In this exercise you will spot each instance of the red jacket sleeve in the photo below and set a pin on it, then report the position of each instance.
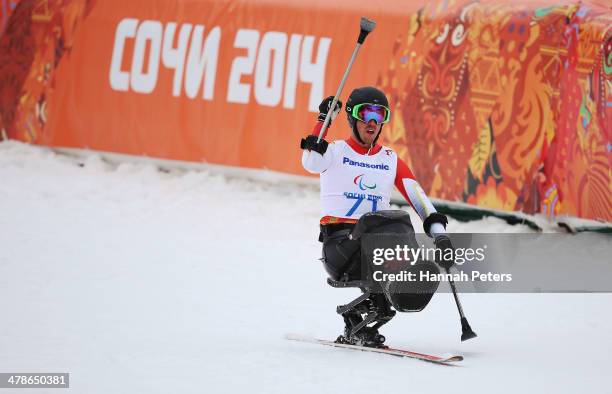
(317, 129)
(403, 172)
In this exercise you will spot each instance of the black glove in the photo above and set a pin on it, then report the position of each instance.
(310, 143)
(443, 243)
(324, 109)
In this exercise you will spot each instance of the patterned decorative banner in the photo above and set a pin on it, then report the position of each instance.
(499, 104)
(507, 106)
(6, 8)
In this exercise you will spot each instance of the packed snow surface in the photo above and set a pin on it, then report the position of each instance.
(136, 280)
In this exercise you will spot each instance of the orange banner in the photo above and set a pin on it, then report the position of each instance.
(500, 105)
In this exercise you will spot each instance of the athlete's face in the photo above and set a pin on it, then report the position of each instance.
(368, 131)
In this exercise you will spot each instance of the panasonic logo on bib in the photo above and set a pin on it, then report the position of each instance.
(350, 162)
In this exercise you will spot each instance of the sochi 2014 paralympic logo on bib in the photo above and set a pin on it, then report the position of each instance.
(362, 185)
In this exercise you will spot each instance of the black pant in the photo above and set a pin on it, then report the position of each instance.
(340, 254)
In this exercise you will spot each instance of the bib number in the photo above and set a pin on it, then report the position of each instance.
(360, 198)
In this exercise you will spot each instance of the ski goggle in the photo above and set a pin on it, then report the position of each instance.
(366, 112)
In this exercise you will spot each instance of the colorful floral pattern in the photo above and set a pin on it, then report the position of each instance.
(507, 105)
(36, 37)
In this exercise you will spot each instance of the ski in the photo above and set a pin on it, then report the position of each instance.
(388, 350)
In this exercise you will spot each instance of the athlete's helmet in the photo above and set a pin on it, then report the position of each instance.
(361, 96)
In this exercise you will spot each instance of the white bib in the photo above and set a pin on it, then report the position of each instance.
(355, 184)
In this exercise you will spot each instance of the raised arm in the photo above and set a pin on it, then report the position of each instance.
(316, 158)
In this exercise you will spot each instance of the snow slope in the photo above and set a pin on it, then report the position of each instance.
(136, 280)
